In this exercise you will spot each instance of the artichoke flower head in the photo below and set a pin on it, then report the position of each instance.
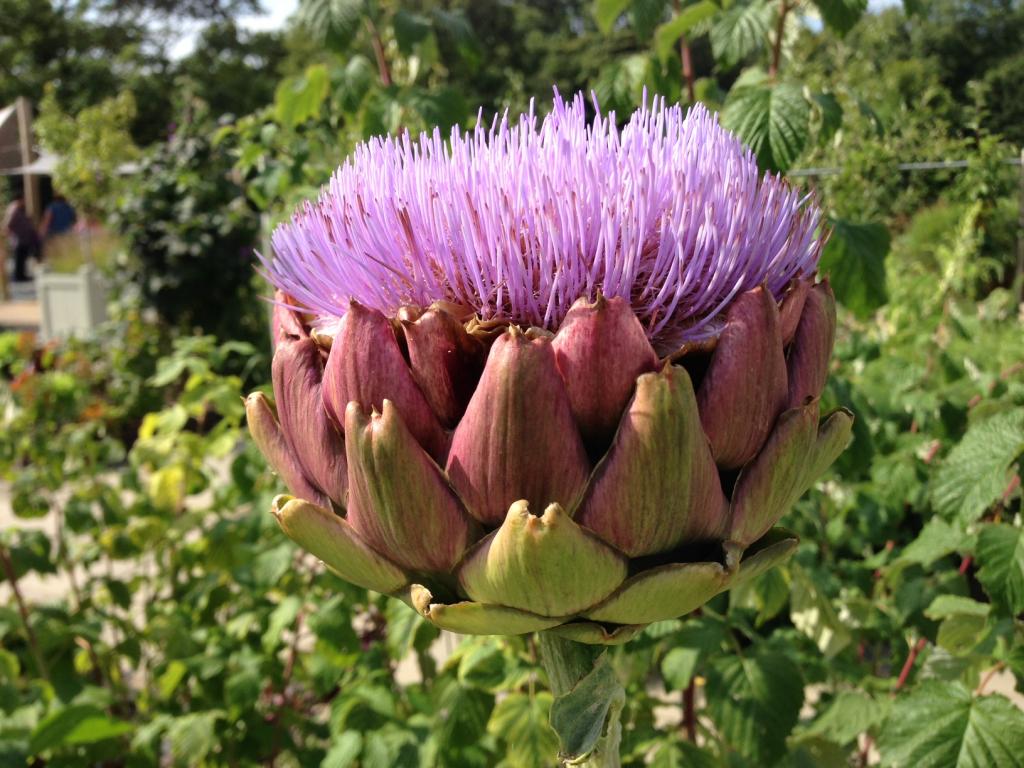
(550, 374)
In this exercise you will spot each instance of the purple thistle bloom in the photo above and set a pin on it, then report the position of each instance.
(518, 220)
(506, 481)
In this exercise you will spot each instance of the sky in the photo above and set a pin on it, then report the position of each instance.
(276, 12)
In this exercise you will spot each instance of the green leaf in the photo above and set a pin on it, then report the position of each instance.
(974, 475)
(483, 667)
(848, 715)
(607, 12)
(521, 721)
(298, 99)
(282, 617)
(192, 736)
(462, 714)
(409, 29)
(854, 260)
(76, 724)
(937, 539)
(941, 725)
(741, 30)
(579, 716)
(755, 701)
(830, 112)
(666, 35)
(1000, 557)
(961, 633)
(678, 667)
(171, 678)
(944, 606)
(645, 15)
(344, 751)
(772, 118)
(334, 22)
(841, 15)
(682, 754)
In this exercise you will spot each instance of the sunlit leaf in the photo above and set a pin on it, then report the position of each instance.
(772, 118)
(666, 35)
(941, 725)
(975, 473)
(1000, 556)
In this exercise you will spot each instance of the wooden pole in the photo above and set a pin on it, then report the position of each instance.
(23, 108)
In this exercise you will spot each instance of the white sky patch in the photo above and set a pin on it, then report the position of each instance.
(275, 15)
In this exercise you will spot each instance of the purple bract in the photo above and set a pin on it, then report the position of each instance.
(520, 219)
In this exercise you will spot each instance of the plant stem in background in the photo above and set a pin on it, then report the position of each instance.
(687, 61)
(33, 641)
(588, 702)
(780, 29)
(909, 664)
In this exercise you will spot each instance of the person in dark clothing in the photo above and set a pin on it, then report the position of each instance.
(23, 237)
(58, 218)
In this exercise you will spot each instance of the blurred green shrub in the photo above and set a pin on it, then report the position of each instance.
(190, 235)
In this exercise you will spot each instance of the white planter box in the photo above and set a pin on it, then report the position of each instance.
(71, 304)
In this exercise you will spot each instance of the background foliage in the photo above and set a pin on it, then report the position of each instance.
(164, 620)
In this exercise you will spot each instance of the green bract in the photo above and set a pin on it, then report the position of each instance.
(496, 481)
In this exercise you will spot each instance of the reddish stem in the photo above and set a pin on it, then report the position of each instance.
(33, 641)
(690, 712)
(687, 59)
(909, 664)
(780, 28)
(378, 52)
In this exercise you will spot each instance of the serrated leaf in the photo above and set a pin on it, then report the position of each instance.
(854, 260)
(755, 701)
(974, 475)
(607, 12)
(76, 724)
(941, 725)
(334, 22)
(1000, 557)
(772, 118)
(741, 30)
(666, 35)
(521, 721)
(937, 539)
(841, 15)
(192, 736)
(848, 715)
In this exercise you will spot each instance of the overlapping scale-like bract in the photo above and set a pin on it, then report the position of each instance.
(552, 375)
(532, 517)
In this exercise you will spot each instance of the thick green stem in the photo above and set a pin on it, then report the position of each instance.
(567, 664)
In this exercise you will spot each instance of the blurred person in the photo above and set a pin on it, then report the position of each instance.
(58, 218)
(23, 237)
